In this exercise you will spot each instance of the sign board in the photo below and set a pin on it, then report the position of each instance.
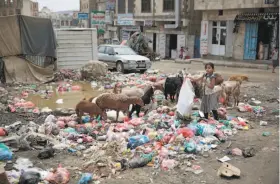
(148, 23)
(109, 16)
(125, 35)
(98, 20)
(131, 28)
(204, 38)
(83, 16)
(125, 19)
(110, 5)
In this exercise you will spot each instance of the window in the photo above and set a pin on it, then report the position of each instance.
(130, 6)
(4, 13)
(146, 6)
(101, 49)
(121, 6)
(109, 50)
(221, 12)
(62, 23)
(168, 5)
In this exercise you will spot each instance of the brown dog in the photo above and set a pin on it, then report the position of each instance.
(86, 106)
(239, 78)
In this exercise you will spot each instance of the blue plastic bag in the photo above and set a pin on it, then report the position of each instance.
(86, 178)
(5, 153)
(138, 140)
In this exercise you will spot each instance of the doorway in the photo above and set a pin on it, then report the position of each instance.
(219, 34)
(172, 45)
(154, 42)
(264, 39)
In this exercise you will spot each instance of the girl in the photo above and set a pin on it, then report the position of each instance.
(210, 97)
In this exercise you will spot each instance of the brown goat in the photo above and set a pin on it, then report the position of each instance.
(117, 102)
(86, 106)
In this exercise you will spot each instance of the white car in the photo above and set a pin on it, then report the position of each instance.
(123, 58)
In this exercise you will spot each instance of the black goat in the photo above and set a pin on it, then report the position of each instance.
(146, 98)
(172, 87)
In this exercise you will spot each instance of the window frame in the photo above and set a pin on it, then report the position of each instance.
(124, 9)
(164, 5)
(107, 48)
(150, 6)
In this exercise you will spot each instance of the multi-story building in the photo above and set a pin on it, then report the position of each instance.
(240, 30)
(16, 7)
(63, 19)
(170, 24)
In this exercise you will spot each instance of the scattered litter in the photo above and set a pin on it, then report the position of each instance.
(236, 152)
(59, 101)
(228, 170)
(263, 123)
(249, 152)
(266, 134)
(224, 159)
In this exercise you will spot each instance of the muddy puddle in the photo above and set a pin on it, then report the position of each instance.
(70, 99)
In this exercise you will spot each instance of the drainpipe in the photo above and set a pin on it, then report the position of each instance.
(177, 17)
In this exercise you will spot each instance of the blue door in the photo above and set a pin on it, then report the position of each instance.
(197, 47)
(250, 42)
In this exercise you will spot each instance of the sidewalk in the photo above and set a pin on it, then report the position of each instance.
(235, 64)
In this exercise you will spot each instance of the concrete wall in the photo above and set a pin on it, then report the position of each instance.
(229, 4)
(238, 43)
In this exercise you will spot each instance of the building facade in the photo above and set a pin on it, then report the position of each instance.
(246, 30)
(169, 24)
(18, 7)
(65, 19)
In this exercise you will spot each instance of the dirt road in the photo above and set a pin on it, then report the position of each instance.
(263, 168)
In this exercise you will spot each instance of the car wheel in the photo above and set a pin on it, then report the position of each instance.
(120, 67)
(143, 71)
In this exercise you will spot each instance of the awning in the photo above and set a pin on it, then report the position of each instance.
(257, 17)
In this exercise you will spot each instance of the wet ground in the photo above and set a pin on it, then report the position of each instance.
(263, 168)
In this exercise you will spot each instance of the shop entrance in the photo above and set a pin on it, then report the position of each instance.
(219, 33)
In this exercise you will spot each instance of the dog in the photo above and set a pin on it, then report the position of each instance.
(238, 78)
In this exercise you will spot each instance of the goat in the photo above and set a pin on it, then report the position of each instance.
(172, 87)
(146, 98)
(231, 88)
(86, 106)
(117, 102)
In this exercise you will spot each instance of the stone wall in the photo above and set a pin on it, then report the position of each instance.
(229, 4)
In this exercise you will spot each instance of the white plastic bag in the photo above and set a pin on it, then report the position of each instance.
(185, 100)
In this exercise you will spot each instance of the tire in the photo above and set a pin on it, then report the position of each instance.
(142, 71)
(120, 67)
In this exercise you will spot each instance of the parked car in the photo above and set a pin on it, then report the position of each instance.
(123, 58)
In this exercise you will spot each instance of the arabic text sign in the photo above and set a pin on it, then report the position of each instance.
(204, 38)
(82, 16)
(98, 17)
(125, 19)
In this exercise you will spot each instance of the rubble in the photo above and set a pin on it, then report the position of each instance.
(93, 70)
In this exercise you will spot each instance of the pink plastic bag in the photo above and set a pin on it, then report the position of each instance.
(59, 176)
(76, 88)
(136, 121)
(168, 164)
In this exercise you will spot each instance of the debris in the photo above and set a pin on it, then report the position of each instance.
(85, 179)
(3, 176)
(59, 101)
(5, 152)
(266, 134)
(249, 152)
(224, 159)
(60, 175)
(263, 123)
(228, 170)
(236, 152)
(196, 169)
(46, 153)
(29, 177)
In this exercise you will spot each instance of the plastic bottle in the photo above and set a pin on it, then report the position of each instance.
(136, 141)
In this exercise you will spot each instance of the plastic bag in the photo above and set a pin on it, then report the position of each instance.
(136, 141)
(29, 178)
(5, 152)
(185, 101)
(85, 179)
(60, 175)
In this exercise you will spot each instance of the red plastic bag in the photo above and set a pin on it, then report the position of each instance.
(186, 132)
(59, 176)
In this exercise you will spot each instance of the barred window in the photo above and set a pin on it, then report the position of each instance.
(146, 6)
(168, 5)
